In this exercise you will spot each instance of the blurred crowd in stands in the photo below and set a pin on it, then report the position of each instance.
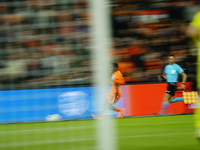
(44, 42)
(47, 42)
(147, 32)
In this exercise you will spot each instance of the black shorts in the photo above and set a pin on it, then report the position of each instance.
(172, 87)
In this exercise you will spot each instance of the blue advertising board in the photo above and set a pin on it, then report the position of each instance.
(37, 104)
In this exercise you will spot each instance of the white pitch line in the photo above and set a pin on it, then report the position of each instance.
(135, 124)
(34, 131)
(44, 130)
(152, 135)
(28, 143)
(40, 142)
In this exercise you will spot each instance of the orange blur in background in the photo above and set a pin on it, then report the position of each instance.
(146, 99)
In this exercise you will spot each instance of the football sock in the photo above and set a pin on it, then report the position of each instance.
(164, 107)
(177, 99)
(117, 109)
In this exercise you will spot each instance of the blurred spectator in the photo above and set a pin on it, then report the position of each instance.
(34, 65)
(15, 69)
(47, 42)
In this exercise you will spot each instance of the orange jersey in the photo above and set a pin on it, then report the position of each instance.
(115, 92)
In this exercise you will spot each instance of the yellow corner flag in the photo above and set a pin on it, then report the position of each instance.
(190, 97)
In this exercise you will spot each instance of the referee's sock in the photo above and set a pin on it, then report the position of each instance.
(177, 99)
(164, 107)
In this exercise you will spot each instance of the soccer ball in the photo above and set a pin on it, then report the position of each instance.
(53, 117)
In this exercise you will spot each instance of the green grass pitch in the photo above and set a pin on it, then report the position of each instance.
(142, 133)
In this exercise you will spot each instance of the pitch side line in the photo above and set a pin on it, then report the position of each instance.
(17, 132)
(4, 145)
(135, 124)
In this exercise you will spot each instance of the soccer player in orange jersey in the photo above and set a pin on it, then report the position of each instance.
(115, 93)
